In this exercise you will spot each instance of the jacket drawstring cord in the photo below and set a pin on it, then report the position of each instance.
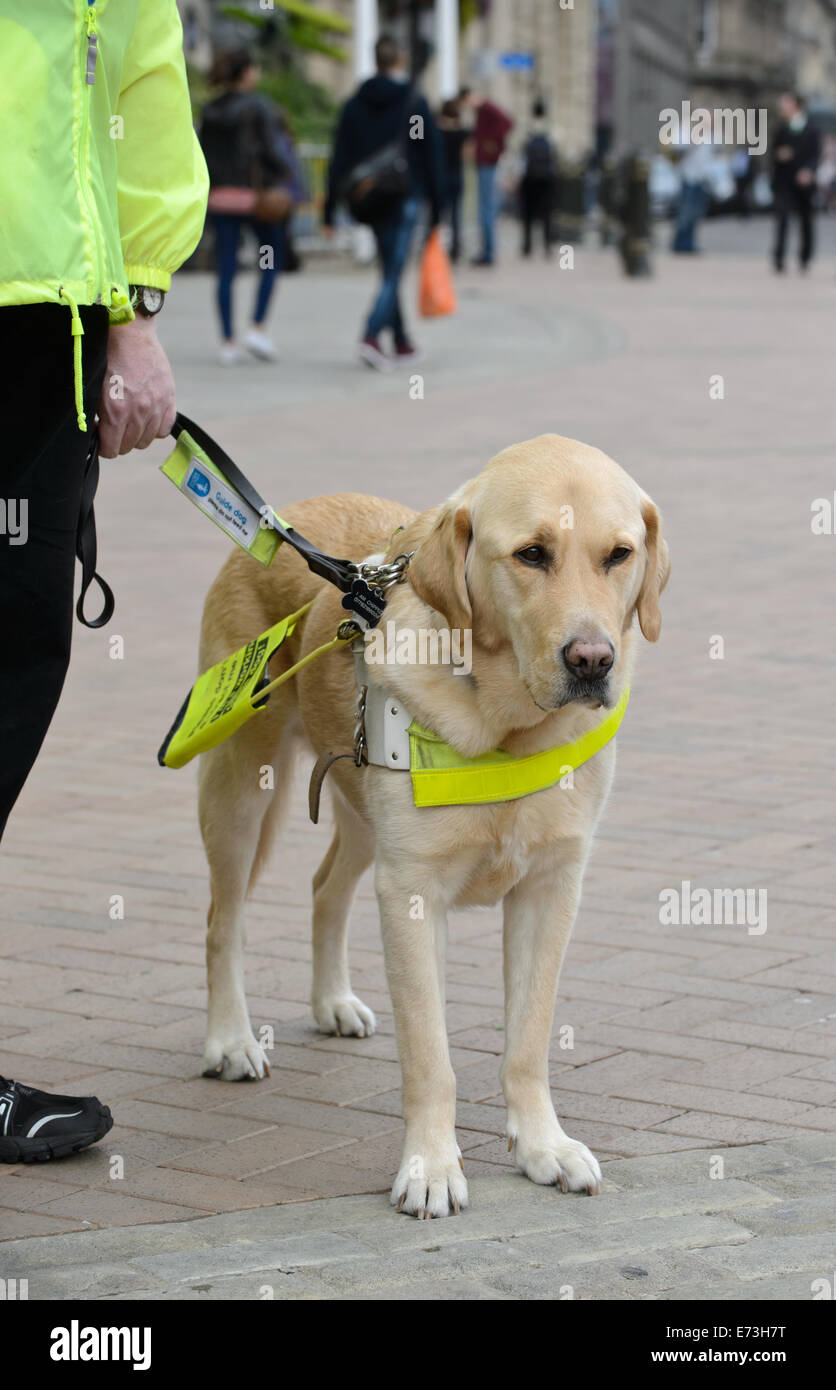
(77, 330)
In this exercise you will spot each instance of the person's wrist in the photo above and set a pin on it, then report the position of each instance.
(140, 326)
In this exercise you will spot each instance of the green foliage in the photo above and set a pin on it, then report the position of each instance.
(296, 11)
(310, 108)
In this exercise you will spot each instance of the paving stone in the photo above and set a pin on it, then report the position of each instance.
(689, 1041)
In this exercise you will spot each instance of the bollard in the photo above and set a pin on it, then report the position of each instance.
(607, 221)
(571, 201)
(635, 218)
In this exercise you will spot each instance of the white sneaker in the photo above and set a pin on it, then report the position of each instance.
(230, 355)
(370, 352)
(260, 345)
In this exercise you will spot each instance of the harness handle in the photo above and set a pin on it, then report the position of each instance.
(342, 573)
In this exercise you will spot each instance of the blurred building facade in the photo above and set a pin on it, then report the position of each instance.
(605, 68)
(747, 51)
(645, 61)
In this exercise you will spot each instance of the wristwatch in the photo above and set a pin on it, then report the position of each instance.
(146, 300)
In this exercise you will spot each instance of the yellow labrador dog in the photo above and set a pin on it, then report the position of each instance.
(546, 558)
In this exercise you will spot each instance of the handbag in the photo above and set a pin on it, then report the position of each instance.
(272, 204)
(374, 187)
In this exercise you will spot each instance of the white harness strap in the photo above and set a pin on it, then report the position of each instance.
(386, 720)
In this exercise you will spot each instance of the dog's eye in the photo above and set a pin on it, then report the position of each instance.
(617, 556)
(532, 555)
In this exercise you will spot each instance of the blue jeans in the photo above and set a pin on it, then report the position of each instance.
(691, 208)
(393, 236)
(227, 235)
(486, 176)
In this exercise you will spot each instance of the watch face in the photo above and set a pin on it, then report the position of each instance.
(152, 300)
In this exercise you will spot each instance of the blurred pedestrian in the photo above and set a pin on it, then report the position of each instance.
(741, 168)
(794, 162)
(826, 174)
(491, 132)
(695, 172)
(93, 228)
(454, 137)
(386, 161)
(538, 184)
(241, 135)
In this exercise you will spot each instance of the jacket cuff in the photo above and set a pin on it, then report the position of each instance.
(149, 275)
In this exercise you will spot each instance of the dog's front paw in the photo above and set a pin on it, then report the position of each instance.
(554, 1159)
(236, 1058)
(345, 1015)
(428, 1186)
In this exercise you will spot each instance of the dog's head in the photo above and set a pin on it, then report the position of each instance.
(551, 550)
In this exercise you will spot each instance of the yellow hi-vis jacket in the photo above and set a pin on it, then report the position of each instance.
(102, 180)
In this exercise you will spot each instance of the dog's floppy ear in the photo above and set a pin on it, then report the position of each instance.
(656, 573)
(437, 571)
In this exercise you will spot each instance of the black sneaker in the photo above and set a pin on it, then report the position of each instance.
(35, 1126)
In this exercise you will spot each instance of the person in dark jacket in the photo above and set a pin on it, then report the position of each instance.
(241, 136)
(795, 159)
(384, 110)
(454, 137)
(538, 184)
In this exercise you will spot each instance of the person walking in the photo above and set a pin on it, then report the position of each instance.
(242, 138)
(538, 184)
(94, 224)
(794, 163)
(454, 138)
(695, 171)
(388, 141)
(491, 132)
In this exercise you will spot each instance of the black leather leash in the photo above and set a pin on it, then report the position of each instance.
(85, 544)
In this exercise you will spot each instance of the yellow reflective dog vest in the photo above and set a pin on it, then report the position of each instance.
(441, 776)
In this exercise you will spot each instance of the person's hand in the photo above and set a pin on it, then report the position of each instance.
(137, 404)
(804, 178)
(783, 152)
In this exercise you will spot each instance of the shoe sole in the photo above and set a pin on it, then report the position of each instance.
(40, 1150)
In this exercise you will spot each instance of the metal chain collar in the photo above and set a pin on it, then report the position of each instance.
(383, 576)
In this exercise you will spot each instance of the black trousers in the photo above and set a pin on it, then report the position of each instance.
(536, 204)
(42, 462)
(788, 203)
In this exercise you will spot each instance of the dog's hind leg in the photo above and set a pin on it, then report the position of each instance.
(336, 1009)
(237, 819)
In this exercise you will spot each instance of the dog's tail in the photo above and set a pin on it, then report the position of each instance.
(274, 817)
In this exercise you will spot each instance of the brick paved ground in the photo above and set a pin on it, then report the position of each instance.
(685, 1037)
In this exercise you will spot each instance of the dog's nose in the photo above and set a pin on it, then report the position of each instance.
(588, 661)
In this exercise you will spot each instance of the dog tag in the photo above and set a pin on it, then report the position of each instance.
(367, 602)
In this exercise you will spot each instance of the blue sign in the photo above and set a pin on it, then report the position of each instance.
(198, 482)
(521, 62)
